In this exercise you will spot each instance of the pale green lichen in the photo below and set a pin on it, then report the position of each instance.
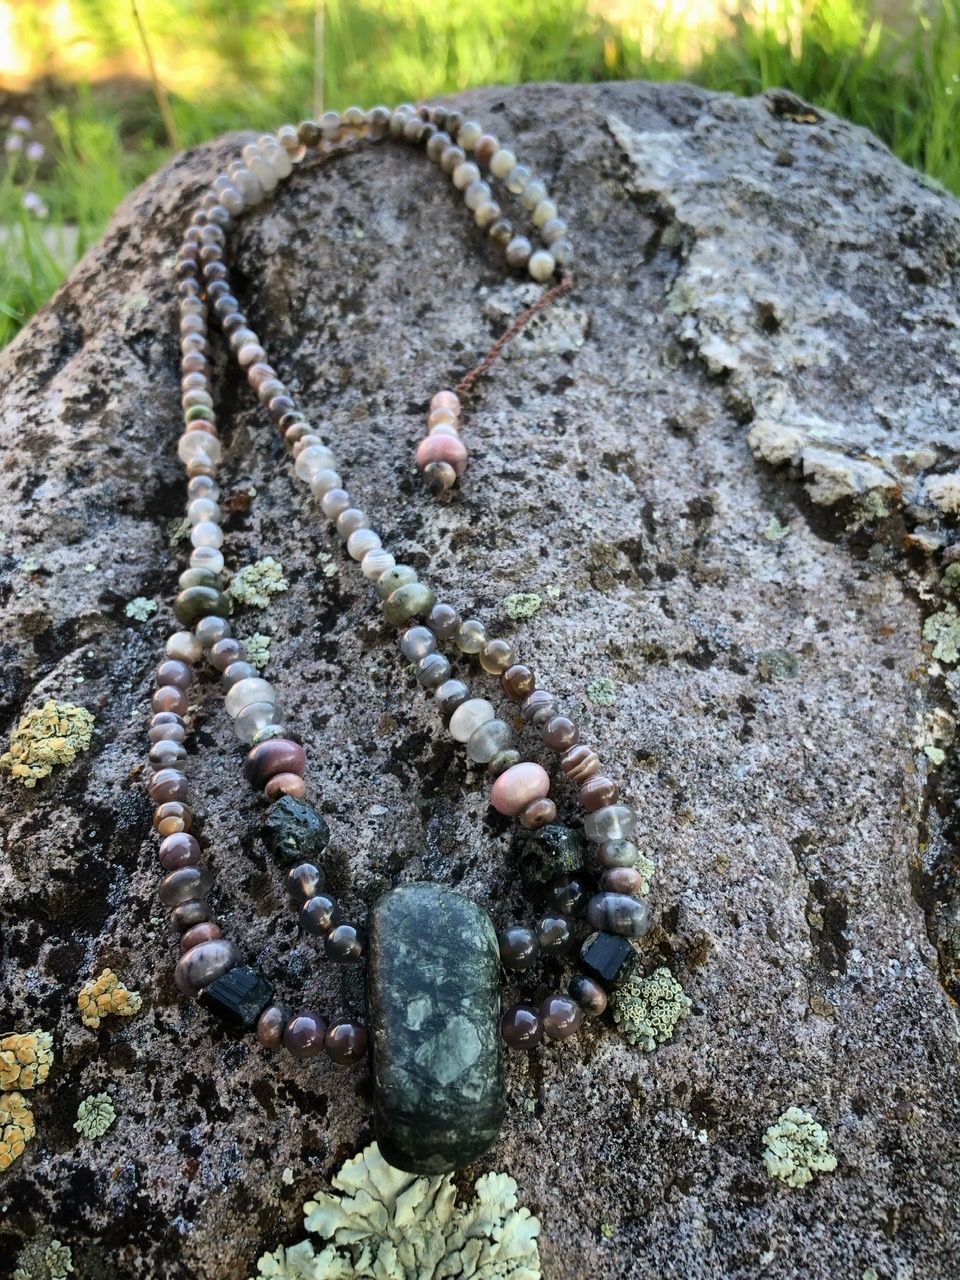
(942, 629)
(874, 506)
(389, 1225)
(775, 531)
(47, 736)
(255, 583)
(178, 530)
(796, 1148)
(602, 691)
(554, 592)
(257, 649)
(645, 869)
(95, 1115)
(950, 579)
(30, 565)
(647, 1010)
(59, 1260)
(522, 604)
(141, 608)
(777, 664)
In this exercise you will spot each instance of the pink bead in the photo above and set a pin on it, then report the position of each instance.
(442, 448)
(517, 787)
(446, 400)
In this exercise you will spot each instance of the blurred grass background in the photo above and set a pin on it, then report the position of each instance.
(76, 72)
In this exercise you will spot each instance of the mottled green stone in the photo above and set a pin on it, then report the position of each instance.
(551, 851)
(433, 995)
(399, 576)
(407, 602)
(200, 602)
(294, 832)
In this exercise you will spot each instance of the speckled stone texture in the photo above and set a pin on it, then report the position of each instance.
(433, 995)
(765, 653)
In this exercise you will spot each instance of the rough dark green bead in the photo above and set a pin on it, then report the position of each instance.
(549, 852)
(294, 832)
(200, 602)
(408, 602)
(434, 1008)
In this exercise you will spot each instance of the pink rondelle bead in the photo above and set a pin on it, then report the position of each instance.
(446, 400)
(205, 932)
(285, 784)
(519, 786)
(442, 448)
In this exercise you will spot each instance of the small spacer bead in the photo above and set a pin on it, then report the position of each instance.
(539, 813)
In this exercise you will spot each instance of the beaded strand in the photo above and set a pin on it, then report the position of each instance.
(276, 763)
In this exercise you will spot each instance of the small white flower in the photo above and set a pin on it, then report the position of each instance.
(34, 204)
(13, 144)
(35, 151)
(21, 124)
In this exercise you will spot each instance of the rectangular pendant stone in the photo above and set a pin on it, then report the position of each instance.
(433, 995)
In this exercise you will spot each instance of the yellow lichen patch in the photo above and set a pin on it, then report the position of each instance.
(106, 995)
(25, 1059)
(47, 736)
(16, 1127)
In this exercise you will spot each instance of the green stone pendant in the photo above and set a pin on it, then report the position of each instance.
(433, 993)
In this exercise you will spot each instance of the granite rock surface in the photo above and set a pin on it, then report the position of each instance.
(727, 467)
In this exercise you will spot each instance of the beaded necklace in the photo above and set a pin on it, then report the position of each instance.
(433, 1026)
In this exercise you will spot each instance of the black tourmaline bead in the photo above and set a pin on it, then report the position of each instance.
(238, 997)
(548, 853)
(608, 957)
(294, 832)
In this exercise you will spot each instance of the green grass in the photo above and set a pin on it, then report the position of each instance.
(902, 82)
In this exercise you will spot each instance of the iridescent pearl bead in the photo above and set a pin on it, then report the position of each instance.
(472, 636)
(417, 642)
(515, 789)
(542, 265)
(465, 174)
(346, 1043)
(303, 1035)
(519, 948)
(502, 161)
(184, 647)
(521, 1027)
(469, 716)
(561, 1016)
(362, 541)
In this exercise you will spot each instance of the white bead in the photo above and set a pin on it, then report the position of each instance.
(361, 541)
(201, 509)
(502, 162)
(541, 265)
(254, 718)
(475, 195)
(199, 444)
(468, 717)
(184, 646)
(246, 692)
(207, 558)
(543, 212)
(323, 480)
(487, 213)
(206, 534)
(464, 174)
(260, 167)
(275, 156)
(469, 134)
(317, 457)
(533, 193)
(376, 563)
(444, 429)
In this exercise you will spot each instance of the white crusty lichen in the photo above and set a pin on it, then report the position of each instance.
(390, 1225)
(95, 1115)
(255, 583)
(796, 1148)
(647, 1010)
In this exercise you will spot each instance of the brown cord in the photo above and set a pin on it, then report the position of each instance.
(522, 320)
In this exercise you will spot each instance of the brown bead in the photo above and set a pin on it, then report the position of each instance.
(224, 652)
(561, 1016)
(622, 880)
(346, 1043)
(207, 931)
(187, 914)
(167, 784)
(285, 784)
(497, 656)
(519, 948)
(539, 707)
(177, 674)
(518, 682)
(597, 792)
(520, 1027)
(484, 148)
(538, 813)
(303, 1035)
(555, 934)
(270, 1026)
(559, 733)
(172, 817)
(580, 763)
(589, 995)
(179, 850)
(276, 755)
(345, 943)
(169, 698)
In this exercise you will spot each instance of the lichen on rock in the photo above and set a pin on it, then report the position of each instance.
(647, 1010)
(796, 1148)
(104, 995)
(95, 1115)
(16, 1127)
(47, 736)
(255, 583)
(25, 1059)
(390, 1225)
(141, 608)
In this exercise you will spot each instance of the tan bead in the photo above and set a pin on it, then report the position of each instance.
(580, 763)
(518, 682)
(485, 148)
(597, 792)
(285, 784)
(497, 656)
(437, 416)
(446, 400)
